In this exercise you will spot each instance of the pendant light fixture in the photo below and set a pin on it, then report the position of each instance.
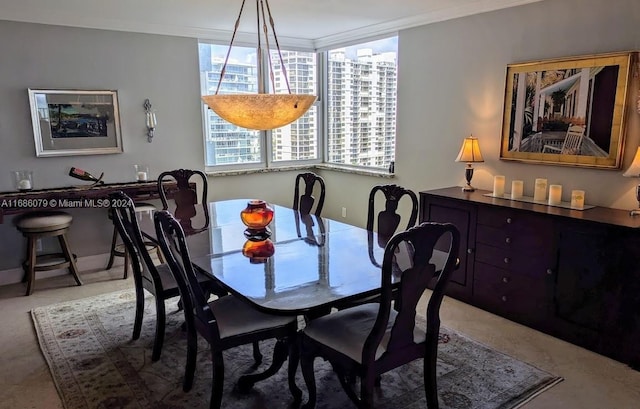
(261, 111)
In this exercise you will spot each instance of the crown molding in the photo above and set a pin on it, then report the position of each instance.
(336, 40)
(390, 27)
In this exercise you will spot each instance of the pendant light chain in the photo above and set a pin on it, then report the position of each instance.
(275, 37)
(259, 12)
(226, 59)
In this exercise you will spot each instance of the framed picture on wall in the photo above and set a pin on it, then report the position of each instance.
(567, 111)
(75, 122)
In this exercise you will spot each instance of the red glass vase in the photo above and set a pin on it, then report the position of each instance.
(257, 216)
(258, 251)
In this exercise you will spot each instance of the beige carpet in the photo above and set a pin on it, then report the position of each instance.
(95, 364)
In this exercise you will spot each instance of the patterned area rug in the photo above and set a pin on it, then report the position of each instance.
(95, 364)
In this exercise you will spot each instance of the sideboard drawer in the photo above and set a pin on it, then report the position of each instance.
(514, 221)
(529, 242)
(533, 262)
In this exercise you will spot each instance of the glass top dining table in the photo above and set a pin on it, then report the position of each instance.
(316, 263)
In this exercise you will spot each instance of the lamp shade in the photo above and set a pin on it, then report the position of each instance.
(260, 111)
(470, 151)
(634, 169)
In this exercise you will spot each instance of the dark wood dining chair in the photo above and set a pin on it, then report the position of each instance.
(370, 339)
(157, 279)
(187, 202)
(386, 222)
(185, 197)
(305, 201)
(118, 249)
(224, 323)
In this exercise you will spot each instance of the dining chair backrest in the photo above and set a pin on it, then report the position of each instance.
(145, 274)
(172, 241)
(388, 220)
(186, 197)
(411, 255)
(372, 338)
(304, 202)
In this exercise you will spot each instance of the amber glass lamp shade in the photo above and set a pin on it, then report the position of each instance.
(257, 216)
(258, 251)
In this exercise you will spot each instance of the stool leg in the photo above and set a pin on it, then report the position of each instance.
(112, 253)
(64, 243)
(127, 260)
(30, 264)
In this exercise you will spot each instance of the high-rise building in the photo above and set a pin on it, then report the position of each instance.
(361, 109)
(227, 143)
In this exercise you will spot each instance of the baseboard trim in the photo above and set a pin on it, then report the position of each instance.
(86, 263)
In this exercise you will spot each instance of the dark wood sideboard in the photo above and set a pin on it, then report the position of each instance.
(572, 274)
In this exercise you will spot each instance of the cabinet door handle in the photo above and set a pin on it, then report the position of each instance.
(507, 260)
(469, 251)
(549, 271)
(504, 298)
(507, 240)
(509, 220)
(505, 279)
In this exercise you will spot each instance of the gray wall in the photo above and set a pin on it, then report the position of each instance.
(451, 84)
(161, 68)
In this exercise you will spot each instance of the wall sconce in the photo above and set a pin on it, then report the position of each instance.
(150, 120)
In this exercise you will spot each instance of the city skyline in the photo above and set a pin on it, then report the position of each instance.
(361, 106)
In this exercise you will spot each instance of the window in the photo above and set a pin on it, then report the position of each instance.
(360, 101)
(299, 140)
(361, 104)
(227, 144)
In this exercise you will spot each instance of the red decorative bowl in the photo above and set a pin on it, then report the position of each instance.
(258, 251)
(257, 215)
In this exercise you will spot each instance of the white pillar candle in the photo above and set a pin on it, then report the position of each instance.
(577, 199)
(142, 176)
(498, 186)
(540, 190)
(24, 184)
(555, 194)
(517, 187)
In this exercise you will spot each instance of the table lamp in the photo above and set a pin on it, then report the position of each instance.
(470, 153)
(634, 171)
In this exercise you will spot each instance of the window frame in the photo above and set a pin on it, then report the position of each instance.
(266, 137)
(267, 161)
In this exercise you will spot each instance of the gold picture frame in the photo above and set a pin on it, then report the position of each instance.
(567, 112)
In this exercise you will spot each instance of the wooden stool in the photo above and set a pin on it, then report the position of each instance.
(40, 224)
(119, 250)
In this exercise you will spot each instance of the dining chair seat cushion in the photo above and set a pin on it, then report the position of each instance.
(167, 279)
(345, 331)
(236, 317)
(145, 207)
(36, 222)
